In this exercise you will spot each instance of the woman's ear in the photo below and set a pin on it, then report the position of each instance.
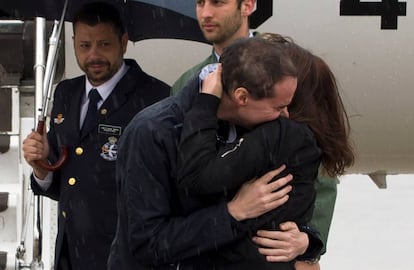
(241, 96)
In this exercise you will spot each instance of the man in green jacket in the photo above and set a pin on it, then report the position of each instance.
(222, 22)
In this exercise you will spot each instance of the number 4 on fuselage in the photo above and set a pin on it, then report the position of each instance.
(389, 10)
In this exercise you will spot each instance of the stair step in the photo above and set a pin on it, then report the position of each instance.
(8, 216)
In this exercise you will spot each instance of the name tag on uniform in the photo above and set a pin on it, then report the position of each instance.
(110, 130)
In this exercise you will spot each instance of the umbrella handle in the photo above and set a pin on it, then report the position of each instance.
(63, 150)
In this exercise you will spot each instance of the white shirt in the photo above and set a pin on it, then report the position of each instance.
(104, 91)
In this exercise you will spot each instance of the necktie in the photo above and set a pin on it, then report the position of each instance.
(92, 113)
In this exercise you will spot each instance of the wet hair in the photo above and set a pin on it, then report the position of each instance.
(317, 102)
(99, 12)
(255, 64)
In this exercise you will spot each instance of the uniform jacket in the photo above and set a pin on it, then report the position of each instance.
(85, 185)
(208, 168)
(326, 187)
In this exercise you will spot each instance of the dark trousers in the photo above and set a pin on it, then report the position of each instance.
(64, 258)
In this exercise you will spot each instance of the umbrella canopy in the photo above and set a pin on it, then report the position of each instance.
(144, 19)
(163, 19)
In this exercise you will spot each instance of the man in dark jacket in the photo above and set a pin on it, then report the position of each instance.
(85, 184)
(222, 23)
(154, 230)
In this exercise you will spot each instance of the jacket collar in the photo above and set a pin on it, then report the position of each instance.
(119, 95)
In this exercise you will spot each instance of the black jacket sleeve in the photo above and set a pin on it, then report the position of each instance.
(149, 220)
(205, 169)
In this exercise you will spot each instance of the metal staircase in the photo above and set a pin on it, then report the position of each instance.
(19, 247)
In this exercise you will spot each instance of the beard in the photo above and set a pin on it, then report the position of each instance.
(100, 75)
(225, 30)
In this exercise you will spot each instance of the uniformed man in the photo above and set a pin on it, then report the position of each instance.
(90, 126)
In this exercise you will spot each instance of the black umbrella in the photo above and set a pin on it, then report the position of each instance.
(163, 19)
(144, 19)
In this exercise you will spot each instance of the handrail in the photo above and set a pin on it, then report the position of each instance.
(54, 45)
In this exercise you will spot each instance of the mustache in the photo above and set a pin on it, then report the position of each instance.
(208, 21)
(96, 62)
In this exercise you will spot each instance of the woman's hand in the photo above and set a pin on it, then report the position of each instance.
(259, 196)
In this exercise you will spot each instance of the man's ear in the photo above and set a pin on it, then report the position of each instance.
(241, 96)
(247, 7)
(124, 42)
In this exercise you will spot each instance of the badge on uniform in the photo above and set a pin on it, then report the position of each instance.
(110, 130)
(109, 151)
(58, 119)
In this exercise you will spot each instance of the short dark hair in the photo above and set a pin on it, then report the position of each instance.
(255, 64)
(99, 12)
